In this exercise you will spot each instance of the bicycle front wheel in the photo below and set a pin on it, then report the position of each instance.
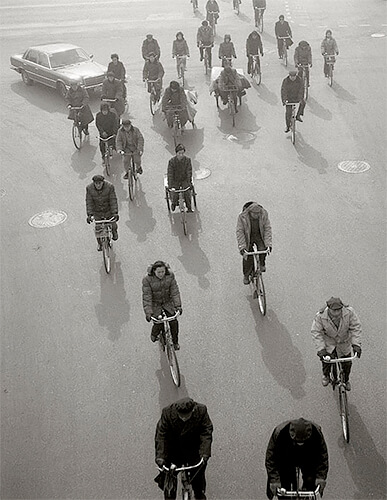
(77, 136)
(152, 103)
(293, 129)
(106, 254)
(260, 25)
(306, 89)
(257, 75)
(131, 184)
(206, 64)
(330, 75)
(344, 413)
(173, 364)
(285, 56)
(261, 295)
(183, 217)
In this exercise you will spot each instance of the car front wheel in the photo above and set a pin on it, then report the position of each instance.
(26, 79)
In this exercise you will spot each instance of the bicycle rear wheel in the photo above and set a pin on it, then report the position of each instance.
(173, 364)
(344, 413)
(106, 160)
(106, 254)
(285, 56)
(176, 131)
(194, 198)
(167, 199)
(206, 66)
(232, 111)
(77, 136)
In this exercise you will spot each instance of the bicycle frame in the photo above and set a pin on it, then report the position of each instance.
(284, 49)
(108, 152)
(77, 128)
(256, 278)
(305, 78)
(185, 480)
(182, 206)
(293, 119)
(103, 234)
(167, 345)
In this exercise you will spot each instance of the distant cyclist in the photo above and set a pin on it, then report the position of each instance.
(258, 4)
(160, 292)
(150, 45)
(179, 176)
(112, 88)
(303, 57)
(107, 125)
(296, 443)
(328, 47)
(130, 140)
(283, 30)
(77, 97)
(154, 71)
(116, 67)
(292, 91)
(212, 9)
(226, 51)
(101, 203)
(205, 38)
(253, 226)
(254, 47)
(335, 329)
(180, 49)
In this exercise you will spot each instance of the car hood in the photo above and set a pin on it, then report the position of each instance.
(85, 69)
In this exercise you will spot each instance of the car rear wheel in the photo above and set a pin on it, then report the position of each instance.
(26, 79)
(61, 89)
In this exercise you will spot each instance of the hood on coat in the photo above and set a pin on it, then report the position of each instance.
(251, 206)
(303, 44)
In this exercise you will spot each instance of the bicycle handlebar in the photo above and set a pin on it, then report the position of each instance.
(297, 494)
(165, 318)
(258, 252)
(105, 99)
(179, 469)
(105, 221)
(291, 103)
(329, 360)
(283, 37)
(76, 108)
(174, 190)
(107, 138)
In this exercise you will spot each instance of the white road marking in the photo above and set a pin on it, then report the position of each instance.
(71, 4)
(364, 25)
(343, 25)
(303, 25)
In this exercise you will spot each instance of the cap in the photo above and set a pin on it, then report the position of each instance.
(292, 72)
(335, 303)
(110, 73)
(149, 35)
(185, 405)
(300, 430)
(98, 178)
(126, 120)
(114, 56)
(204, 23)
(227, 36)
(179, 147)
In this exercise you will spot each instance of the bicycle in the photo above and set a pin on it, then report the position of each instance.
(166, 345)
(259, 11)
(337, 379)
(311, 495)
(112, 107)
(108, 152)
(236, 6)
(185, 478)
(103, 233)
(181, 62)
(132, 174)
(284, 48)
(77, 128)
(256, 74)
(232, 98)
(212, 20)
(256, 279)
(305, 78)
(154, 95)
(293, 119)
(181, 201)
(330, 60)
(206, 57)
(176, 123)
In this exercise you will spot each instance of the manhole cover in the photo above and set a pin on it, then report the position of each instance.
(354, 166)
(241, 137)
(50, 218)
(378, 35)
(202, 173)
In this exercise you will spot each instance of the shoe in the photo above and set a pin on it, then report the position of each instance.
(347, 385)
(115, 237)
(201, 59)
(287, 130)
(176, 347)
(126, 176)
(325, 381)
(173, 206)
(326, 76)
(99, 247)
(154, 339)
(189, 210)
(246, 280)
(236, 110)
(263, 269)
(299, 119)
(139, 170)
(243, 92)
(86, 131)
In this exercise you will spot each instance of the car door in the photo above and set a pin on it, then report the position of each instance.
(30, 64)
(45, 71)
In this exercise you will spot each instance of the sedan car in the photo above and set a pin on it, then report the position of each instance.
(56, 65)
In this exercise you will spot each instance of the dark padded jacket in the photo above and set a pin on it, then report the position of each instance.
(292, 90)
(179, 172)
(159, 294)
(118, 70)
(101, 203)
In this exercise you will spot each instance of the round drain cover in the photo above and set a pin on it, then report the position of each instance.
(50, 218)
(241, 137)
(378, 35)
(202, 173)
(354, 166)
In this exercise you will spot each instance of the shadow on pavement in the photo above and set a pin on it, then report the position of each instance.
(82, 161)
(114, 310)
(42, 97)
(266, 95)
(245, 121)
(367, 466)
(169, 393)
(343, 94)
(310, 156)
(318, 110)
(244, 18)
(141, 220)
(269, 38)
(279, 354)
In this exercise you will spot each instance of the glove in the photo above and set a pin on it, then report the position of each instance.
(322, 353)
(283, 103)
(357, 350)
(242, 251)
(148, 318)
(180, 310)
(116, 217)
(69, 106)
(89, 219)
(310, 64)
(274, 487)
(198, 44)
(261, 54)
(140, 153)
(269, 250)
(205, 459)
(322, 483)
(160, 462)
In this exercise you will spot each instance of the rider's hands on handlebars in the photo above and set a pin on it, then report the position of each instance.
(180, 310)
(274, 487)
(242, 251)
(322, 353)
(322, 483)
(116, 217)
(148, 317)
(357, 350)
(89, 219)
(205, 458)
(160, 462)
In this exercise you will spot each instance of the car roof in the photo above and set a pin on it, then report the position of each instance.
(52, 48)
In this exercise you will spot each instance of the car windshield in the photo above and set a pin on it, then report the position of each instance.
(68, 57)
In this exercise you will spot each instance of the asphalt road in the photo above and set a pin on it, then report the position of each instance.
(82, 386)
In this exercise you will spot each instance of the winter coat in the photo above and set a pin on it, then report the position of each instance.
(153, 70)
(101, 203)
(283, 454)
(259, 4)
(229, 79)
(327, 336)
(179, 172)
(292, 90)
(159, 294)
(226, 49)
(329, 46)
(149, 46)
(180, 48)
(303, 54)
(130, 141)
(181, 442)
(205, 35)
(77, 98)
(106, 123)
(282, 30)
(254, 45)
(174, 99)
(243, 229)
(112, 90)
(118, 70)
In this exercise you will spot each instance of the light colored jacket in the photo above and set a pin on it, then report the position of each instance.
(327, 336)
(243, 229)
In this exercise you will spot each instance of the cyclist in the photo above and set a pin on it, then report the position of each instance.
(107, 125)
(335, 329)
(174, 96)
(130, 140)
(179, 176)
(230, 81)
(328, 47)
(149, 45)
(303, 56)
(292, 90)
(119, 71)
(296, 443)
(253, 226)
(258, 4)
(101, 203)
(282, 29)
(76, 97)
(253, 48)
(180, 48)
(205, 38)
(112, 88)
(153, 70)
(184, 436)
(160, 292)
(212, 6)
(226, 51)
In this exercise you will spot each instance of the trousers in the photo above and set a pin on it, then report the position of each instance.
(326, 368)
(174, 326)
(248, 262)
(300, 112)
(136, 159)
